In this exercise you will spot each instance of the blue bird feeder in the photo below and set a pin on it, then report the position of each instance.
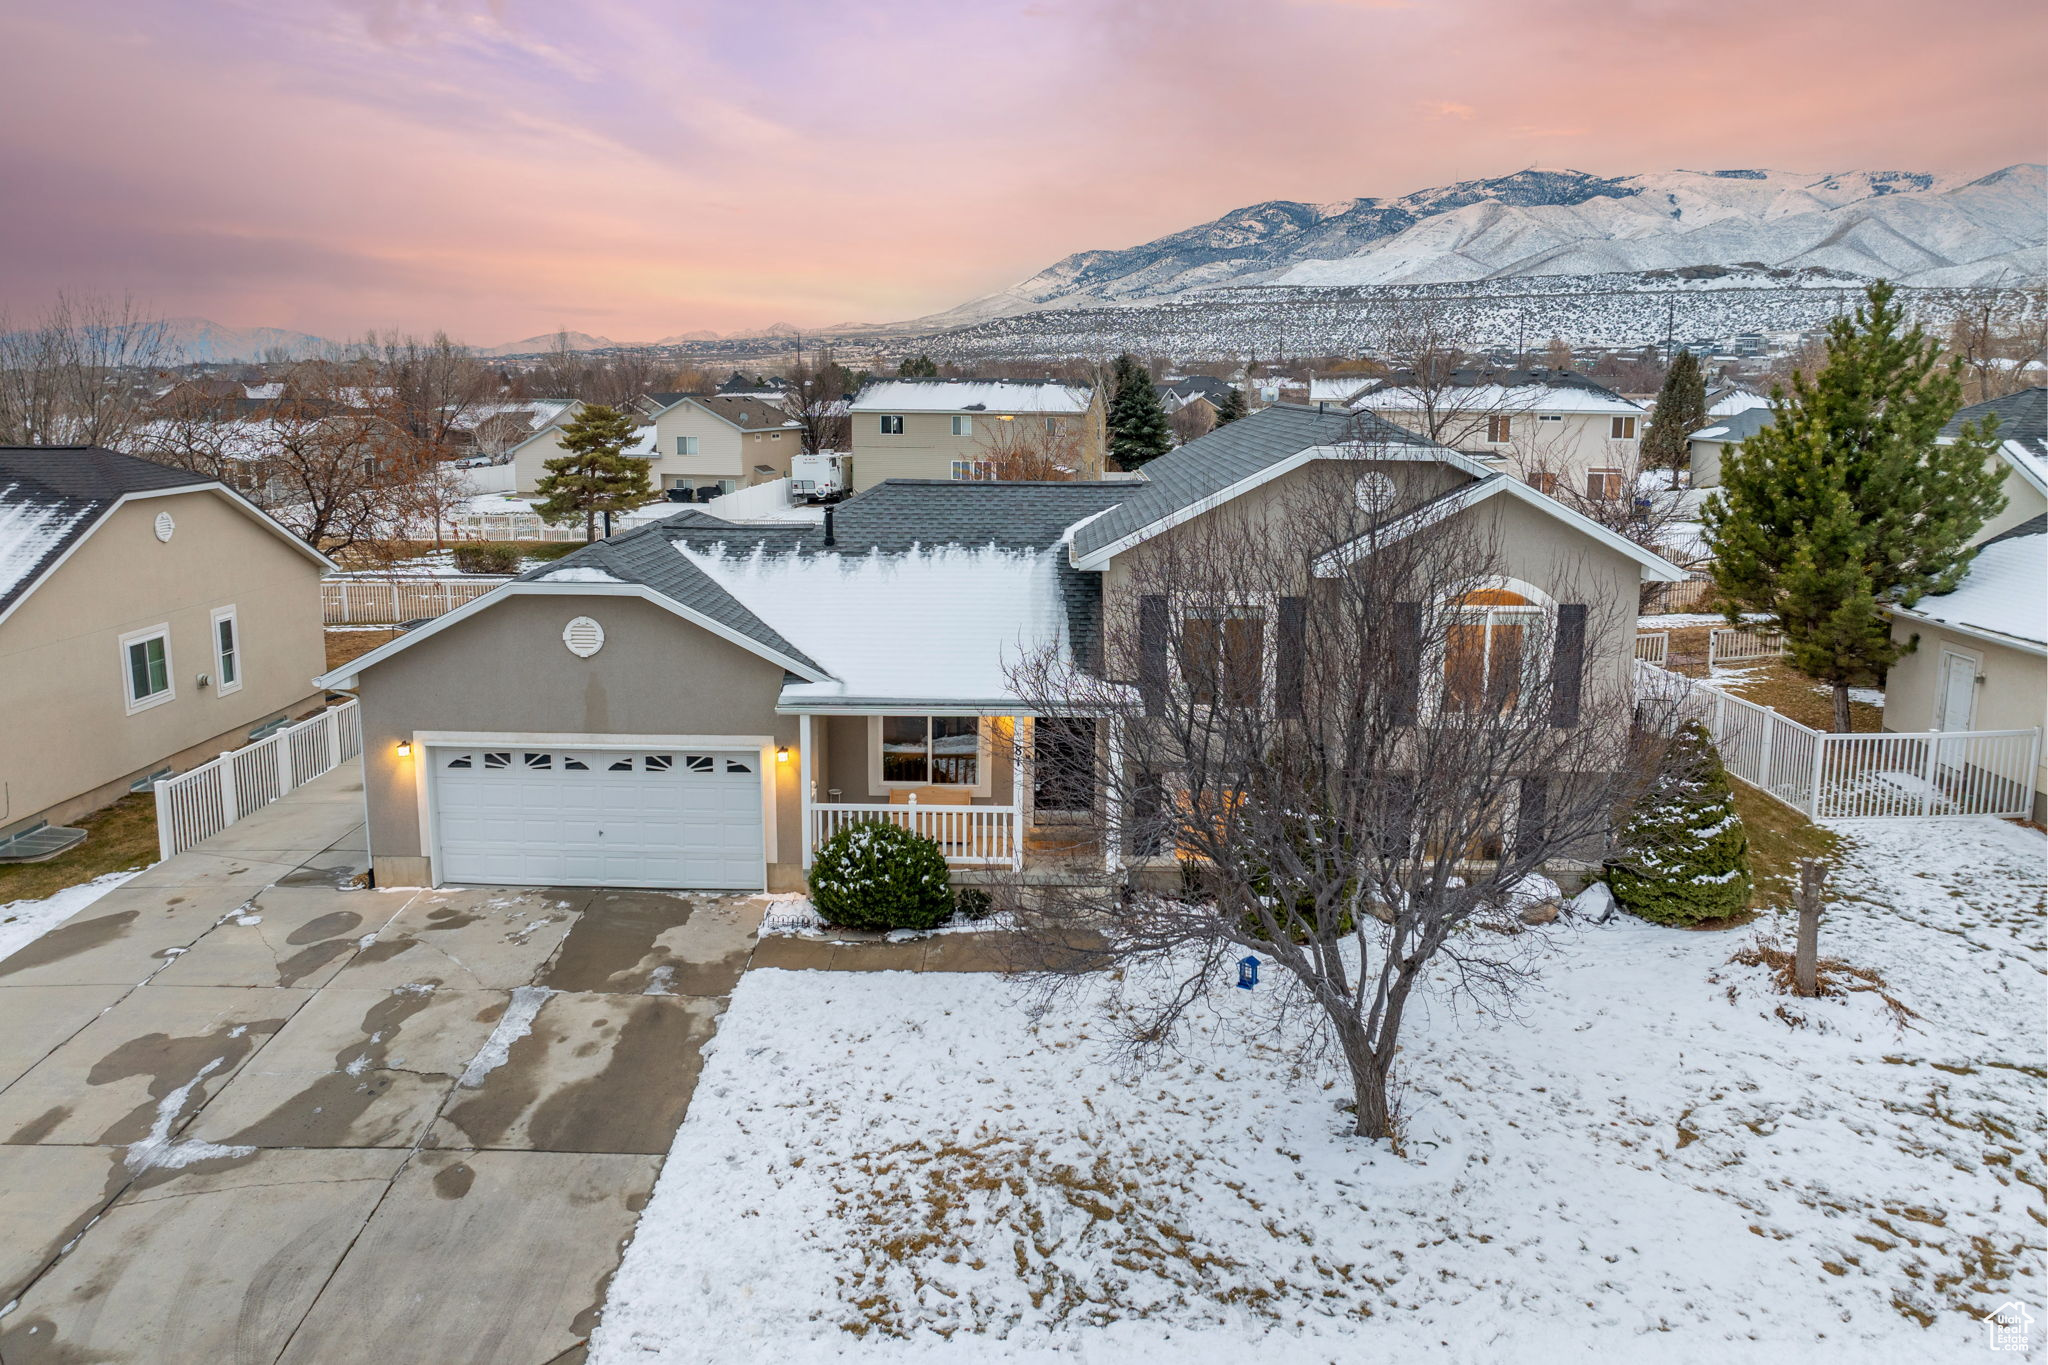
(1247, 973)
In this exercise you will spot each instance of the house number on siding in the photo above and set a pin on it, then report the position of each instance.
(164, 526)
(583, 636)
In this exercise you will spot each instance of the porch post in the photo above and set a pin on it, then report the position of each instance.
(803, 778)
(1016, 792)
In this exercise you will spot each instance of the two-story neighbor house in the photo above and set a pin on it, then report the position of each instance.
(696, 703)
(1553, 429)
(722, 441)
(149, 618)
(967, 429)
(530, 457)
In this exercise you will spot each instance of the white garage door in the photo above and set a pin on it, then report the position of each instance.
(596, 817)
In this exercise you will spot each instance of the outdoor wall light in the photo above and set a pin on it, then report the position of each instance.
(782, 753)
(405, 748)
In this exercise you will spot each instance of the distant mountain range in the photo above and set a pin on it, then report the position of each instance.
(1907, 226)
(201, 341)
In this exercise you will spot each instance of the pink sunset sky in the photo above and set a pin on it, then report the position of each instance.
(634, 168)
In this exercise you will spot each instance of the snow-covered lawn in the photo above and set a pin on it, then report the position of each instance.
(1652, 1162)
(23, 922)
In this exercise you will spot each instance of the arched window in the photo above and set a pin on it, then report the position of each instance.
(1490, 649)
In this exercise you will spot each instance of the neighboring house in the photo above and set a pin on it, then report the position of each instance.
(963, 428)
(1730, 399)
(1549, 428)
(149, 619)
(1179, 393)
(1980, 660)
(494, 428)
(2023, 446)
(1710, 443)
(723, 442)
(696, 703)
(763, 387)
(530, 457)
(1338, 390)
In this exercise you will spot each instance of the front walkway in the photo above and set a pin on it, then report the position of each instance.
(251, 1114)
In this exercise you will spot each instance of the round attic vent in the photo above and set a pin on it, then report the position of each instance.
(1375, 492)
(583, 636)
(164, 526)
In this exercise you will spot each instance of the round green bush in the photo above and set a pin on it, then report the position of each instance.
(876, 875)
(486, 557)
(1684, 855)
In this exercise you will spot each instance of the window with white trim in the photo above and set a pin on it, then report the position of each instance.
(1491, 647)
(979, 471)
(227, 652)
(146, 667)
(1622, 429)
(1500, 429)
(892, 424)
(963, 425)
(686, 445)
(1603, 485)
(930, 751)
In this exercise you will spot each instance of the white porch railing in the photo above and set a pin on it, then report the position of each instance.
(1843, 777)
(387, 601)
(1731, 644)
(971, 836)
(1654, 646)
(201, 803)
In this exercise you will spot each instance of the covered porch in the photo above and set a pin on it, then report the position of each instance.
(963, 778)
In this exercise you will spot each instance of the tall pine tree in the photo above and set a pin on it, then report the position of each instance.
(1137, 424)
(1230, 407)
(1681, 410)
(918, 367)
(595, 474)
(1845, 504)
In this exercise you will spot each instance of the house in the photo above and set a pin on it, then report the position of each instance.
(1338, 390)
(1730, 399)
(494, 428)
(969, 429)
(530, 457)
(696, 703)
(1706, 446)
(1192, 389)
(1551, 428)
(150, 617)
(1981, 658)
(724, 442)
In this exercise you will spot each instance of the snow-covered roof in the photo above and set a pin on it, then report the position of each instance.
(2005, 592)
(1507, 391)
(971, 395)
(1738, 426)
(33, 529)
(1339, 389)
(1737, 400)
(991, 606)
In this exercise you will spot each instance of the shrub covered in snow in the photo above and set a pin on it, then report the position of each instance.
(1684, 855)
(876, 875)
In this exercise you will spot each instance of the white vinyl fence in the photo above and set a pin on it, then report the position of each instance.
(1654, 647)
(387, 601)
(1685, 595)
(746, 504)
(1828, 776)
(509, 526)
(201, 803)
(1733, 644)
(970, 836)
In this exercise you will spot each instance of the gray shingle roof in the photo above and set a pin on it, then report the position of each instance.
(1231, 454)
(2022, 416)
(51, 497)
(1740, 427)
(749, 413)
(892, 517)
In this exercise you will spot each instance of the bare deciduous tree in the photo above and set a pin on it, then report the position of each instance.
(818, 391)
(1345, 761)
(77, 374)
(1028, 448)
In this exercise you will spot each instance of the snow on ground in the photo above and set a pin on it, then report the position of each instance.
(23, 922)
(1650, 1161)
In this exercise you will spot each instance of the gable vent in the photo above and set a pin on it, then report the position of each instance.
(164, 526)
(583, 636)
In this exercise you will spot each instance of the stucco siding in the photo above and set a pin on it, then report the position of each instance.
(927, 447)
(505, 670)
(2012, 688)
(65, 728)
(2023, 502)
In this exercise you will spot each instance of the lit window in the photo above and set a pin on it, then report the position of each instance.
(1488, 649)
(939, 751)
(1222, 655)
(892, 425)
(1622, 429)
(1499, 429)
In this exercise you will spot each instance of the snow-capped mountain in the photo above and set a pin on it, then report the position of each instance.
(203, 341)
(1907, 226)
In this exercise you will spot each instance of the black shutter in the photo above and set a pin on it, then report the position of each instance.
(1568, 664)
(1288, 664)
(1532, 813)
(1152, 653)
(1404, 642)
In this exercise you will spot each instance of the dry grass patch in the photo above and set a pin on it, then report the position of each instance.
(1831, 976)
(1778, 838)
(119, 838)
(346, 646)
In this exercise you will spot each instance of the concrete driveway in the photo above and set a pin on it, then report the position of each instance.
(250, 1114)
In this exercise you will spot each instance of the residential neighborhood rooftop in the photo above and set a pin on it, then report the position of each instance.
(2004, 593)
(1739, 426)
(52, 496)
(973, 395)
(1529, 390)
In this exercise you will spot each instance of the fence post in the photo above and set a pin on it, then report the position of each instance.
(1927, 776)
(284, 761)
(230, 802)
(164, 817)
(1820, 755)
(333, 739)
(1770, 729)
(348, 614)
